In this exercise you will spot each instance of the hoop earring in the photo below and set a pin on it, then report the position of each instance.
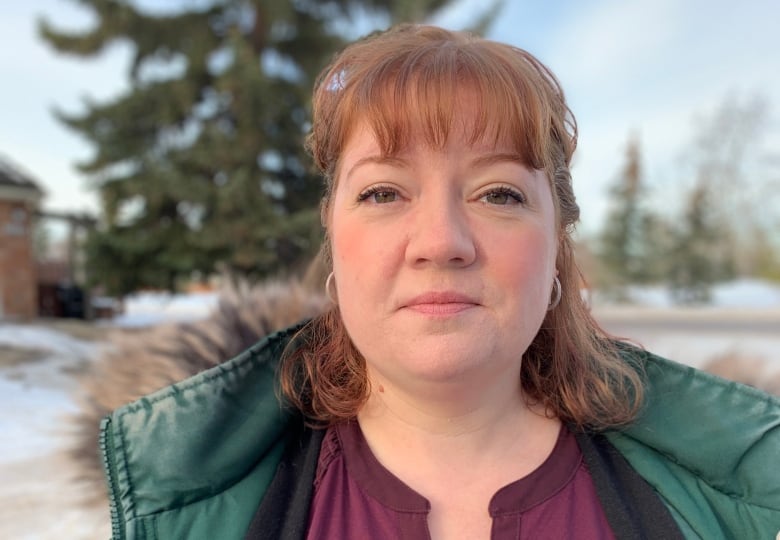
(328, 282)
(558, 291)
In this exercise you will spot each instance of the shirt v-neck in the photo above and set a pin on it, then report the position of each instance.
(355, 495)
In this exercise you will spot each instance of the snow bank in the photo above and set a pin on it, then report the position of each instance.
(745, 293)
(150, 308)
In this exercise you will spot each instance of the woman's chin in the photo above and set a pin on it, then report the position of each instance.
(441, 360)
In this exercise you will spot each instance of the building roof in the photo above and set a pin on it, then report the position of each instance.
(12, 176)
(17, 184)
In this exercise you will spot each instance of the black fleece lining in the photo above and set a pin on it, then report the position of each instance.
(633, 508)
(283, 513)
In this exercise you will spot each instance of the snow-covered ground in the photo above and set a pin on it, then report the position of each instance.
(36, 394)
(37, 496)
(38, 391)
(743, 294)
(144, 309)
(743, 319)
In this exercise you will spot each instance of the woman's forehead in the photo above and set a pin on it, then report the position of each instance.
(465, 130)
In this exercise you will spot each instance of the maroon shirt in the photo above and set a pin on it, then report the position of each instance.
(355, 497)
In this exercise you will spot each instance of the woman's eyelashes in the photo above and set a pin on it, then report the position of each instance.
(378, 195)
(502, 196)
(497, 196)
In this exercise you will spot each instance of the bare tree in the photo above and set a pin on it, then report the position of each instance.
(741, 177)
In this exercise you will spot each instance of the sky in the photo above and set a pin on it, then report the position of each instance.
(648, 69)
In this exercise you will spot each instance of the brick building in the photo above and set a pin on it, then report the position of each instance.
(19, 200)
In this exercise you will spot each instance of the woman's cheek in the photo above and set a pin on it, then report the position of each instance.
(347, 242)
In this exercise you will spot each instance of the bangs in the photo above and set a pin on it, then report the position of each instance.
(424, 82)
(431, 83)
(445, 91)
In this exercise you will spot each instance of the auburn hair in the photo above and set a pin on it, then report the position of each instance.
(411, 81)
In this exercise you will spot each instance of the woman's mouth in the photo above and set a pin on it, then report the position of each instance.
(440, 303)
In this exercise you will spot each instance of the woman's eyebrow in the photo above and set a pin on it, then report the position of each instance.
(393, 161)
(485, 160)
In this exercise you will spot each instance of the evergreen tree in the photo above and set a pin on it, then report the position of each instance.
(200, 164)
(700, 256)
(625, 245)
(765, 255)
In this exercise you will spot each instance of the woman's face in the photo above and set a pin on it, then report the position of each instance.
(443, 259)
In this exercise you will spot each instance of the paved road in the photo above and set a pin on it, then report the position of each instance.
(630, 321)
(699, 337)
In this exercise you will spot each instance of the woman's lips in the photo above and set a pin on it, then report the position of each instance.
(440, 303)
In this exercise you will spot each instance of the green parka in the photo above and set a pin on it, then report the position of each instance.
(192, 461)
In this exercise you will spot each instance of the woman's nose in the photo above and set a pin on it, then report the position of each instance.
(441, 236)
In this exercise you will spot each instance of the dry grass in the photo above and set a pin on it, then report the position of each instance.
(77, 328)
(14, 356)
(744, 369)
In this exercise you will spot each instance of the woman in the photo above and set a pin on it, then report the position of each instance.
(458, 387)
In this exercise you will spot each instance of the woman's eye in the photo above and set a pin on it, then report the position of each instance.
(503, 196)
(378, 195)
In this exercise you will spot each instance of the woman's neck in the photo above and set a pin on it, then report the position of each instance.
(428, 438)
(457, 450)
